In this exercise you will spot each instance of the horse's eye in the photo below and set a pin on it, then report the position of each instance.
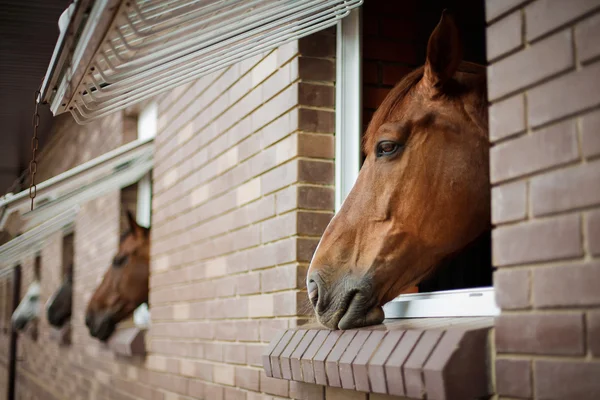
(387, 148)
(119, 260)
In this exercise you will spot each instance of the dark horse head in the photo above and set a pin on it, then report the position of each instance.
(125, 283)
(59, 305)
(422, 193)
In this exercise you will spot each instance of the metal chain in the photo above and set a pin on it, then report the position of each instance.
(34, 146)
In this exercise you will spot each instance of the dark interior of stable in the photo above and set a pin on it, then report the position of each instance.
(395, 36)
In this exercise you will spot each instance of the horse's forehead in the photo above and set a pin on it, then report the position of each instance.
(34, 289)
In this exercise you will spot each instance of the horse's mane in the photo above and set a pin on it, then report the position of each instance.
(401, 90)
(395, 96)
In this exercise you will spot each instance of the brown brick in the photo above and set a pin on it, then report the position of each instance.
(333, 359)
(564, 96)
(544, 16)
(549, 147)
(593, 332)
(316, 172)
(522, 69)
(316, 146)
(389, 50)
(318, 45)
(586, 33)
(509, 202)
(494, 9)
(317, 121)
(548, 334)
(513, 378)
(507, 117)
(592, 232)
(557, 379)
(566, 189)
(315, 198)
(543, 240)
(504, 35)
(570, 285)
(512, 288)
(316, 95)
(316, 69)
(412, 368)
(312, 223)
(590, 134)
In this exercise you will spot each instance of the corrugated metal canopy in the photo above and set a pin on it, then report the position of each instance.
(131, 50)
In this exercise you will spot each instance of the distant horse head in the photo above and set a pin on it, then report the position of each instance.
(125, 283)
(59, 305)
(29, 308)
(422, 193)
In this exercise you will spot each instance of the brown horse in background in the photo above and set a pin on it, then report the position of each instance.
(422, 194)
(125, 284)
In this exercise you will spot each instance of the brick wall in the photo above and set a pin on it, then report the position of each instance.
(543, 80)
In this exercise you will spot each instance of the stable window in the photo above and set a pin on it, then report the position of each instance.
(374, 51)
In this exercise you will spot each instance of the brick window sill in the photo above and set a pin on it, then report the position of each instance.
(62, 335)
(437, 358)
(128, 342)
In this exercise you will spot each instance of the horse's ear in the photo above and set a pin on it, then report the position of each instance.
(444, 51)
(133, 225)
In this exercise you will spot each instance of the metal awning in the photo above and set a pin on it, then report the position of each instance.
(121, 52)
(32, 241)
(111, 171)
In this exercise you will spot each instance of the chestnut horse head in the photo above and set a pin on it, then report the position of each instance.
(59, 305)
(422, 193)
(125, 283)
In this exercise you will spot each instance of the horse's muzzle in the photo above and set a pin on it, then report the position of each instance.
(349, 304)
(101, 326)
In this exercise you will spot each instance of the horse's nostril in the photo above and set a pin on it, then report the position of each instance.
(313, 291)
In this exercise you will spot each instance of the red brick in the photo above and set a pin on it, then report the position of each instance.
(569, 285)
(504, 36)
(513, 378)
(494, 9)
(373, 97)
(531, 65)
(370, 72)
(590, 134)
(593, 332)
(387, 50)
(512, 289)
(557, 379)
(549, 147)
(392, 74)
(542, 240)
(566, 189)
(548, 334)
(592, 232)
(507, 117)
(544, 16)
(509, 202)
(564, 96)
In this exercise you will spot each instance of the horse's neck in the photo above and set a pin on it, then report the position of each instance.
(469, 268)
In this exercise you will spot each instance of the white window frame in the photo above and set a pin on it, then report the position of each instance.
(472, 302)
(146, 129)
